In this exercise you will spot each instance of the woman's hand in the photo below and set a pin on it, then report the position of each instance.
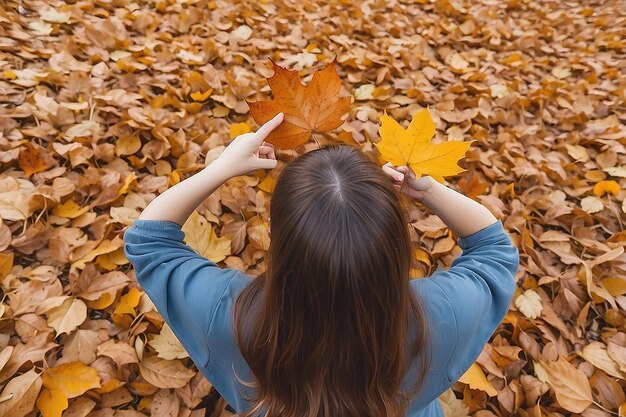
(404, 181)
(248, 152)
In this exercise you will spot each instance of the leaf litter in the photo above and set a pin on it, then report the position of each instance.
(104, 105)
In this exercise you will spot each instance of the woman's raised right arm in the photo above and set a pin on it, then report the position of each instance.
(467, 302)
(461, 214)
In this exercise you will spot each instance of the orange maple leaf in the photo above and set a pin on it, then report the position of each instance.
(316, 107)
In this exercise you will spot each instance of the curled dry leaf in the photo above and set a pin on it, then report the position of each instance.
(529, 304)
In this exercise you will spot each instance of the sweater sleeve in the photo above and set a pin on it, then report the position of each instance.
(479, 287)
(186, 288)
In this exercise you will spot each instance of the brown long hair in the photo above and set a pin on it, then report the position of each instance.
(326, 329)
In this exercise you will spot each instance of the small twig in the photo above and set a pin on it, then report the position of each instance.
(92, 108)
(45, 207)
(607, 410)
(619, 218)
(316, 141)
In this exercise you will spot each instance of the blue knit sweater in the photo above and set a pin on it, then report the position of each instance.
(465, 304)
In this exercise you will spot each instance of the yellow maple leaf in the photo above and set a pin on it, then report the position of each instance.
(413, 147)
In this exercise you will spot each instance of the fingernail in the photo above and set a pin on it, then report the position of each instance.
(400, 177)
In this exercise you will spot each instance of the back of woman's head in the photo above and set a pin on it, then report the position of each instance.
(326, 330)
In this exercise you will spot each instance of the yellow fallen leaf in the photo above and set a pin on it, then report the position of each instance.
(69, 210)
(6, 264)
(124, 312)
(101, 303)
(200, 96)
(476, 379)
(51, 403)
(127, 182)
(239, 129)
(267, 184)
(112, 260)
(413, 147)
(453, 407)
(72, 379)
(9, 75)
(128, 302)
(614, 285)
(604, 187)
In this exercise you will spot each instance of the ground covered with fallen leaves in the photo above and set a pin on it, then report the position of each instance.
(105, 104)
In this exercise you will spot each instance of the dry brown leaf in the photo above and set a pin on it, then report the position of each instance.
(202, 238)
(596, 354)
(68, 316)
(570, 384)
(108, 106)
(19, 394)
(164, 373)
(167, 345)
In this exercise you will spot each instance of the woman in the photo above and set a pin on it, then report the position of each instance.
(335, 327)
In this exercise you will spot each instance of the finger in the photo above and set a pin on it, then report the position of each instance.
(266, 163)
(403, 169)
(267, 152)
(269, 126)
(421, 184)
(395, 175)
(267, 144)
